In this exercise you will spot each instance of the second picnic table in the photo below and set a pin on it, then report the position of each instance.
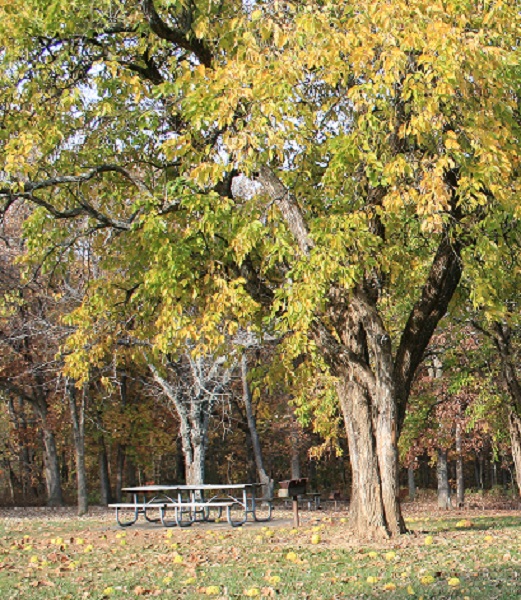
(191, 503)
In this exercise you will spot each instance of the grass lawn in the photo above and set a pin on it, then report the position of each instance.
(451, 555)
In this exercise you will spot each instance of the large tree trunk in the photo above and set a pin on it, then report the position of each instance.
(77, 410)
(375, 507)
(264, 478)
(352, 339)
(367, 397)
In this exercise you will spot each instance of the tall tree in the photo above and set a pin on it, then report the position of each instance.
(383, 140)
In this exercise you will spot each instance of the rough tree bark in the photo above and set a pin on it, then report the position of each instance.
(514, 426)
(366, 393)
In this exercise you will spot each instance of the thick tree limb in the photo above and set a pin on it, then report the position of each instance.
(288, 206)
(442, 281)
(170, 391)
(179, 36)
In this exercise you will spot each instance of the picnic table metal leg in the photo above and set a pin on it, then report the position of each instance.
(162, 516)
(181, 522)
(262, 519)
(150, 519)
(229, 515)
(253, 509)
(127, 523)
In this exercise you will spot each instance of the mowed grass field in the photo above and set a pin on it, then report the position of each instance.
(50, 555)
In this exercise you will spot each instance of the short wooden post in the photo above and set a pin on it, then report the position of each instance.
(296, 519)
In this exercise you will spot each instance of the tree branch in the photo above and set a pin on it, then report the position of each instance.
(179, 36)
(28, 188)
(288, 206)
(442, 281)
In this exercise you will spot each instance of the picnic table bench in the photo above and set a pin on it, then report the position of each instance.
(189, 504)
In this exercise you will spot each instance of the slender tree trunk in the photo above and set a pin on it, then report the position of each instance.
(481, 464)
(267, 483)
(50, 456)
(442, 471)
(411, 482)
(120, 470)
(77, 410)
(514, 425)
(11, 479)
(19, 421)
(294, 439)
(104, 474)
(460, 481)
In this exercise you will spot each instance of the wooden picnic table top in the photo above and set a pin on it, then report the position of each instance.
(185, 487)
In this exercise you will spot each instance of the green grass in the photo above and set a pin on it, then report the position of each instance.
(74, 559)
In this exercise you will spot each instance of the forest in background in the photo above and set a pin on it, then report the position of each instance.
(457, 426)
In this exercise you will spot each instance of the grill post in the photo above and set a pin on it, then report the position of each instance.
(293, 488)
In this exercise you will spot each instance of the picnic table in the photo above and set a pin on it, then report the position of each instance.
(188, 504)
